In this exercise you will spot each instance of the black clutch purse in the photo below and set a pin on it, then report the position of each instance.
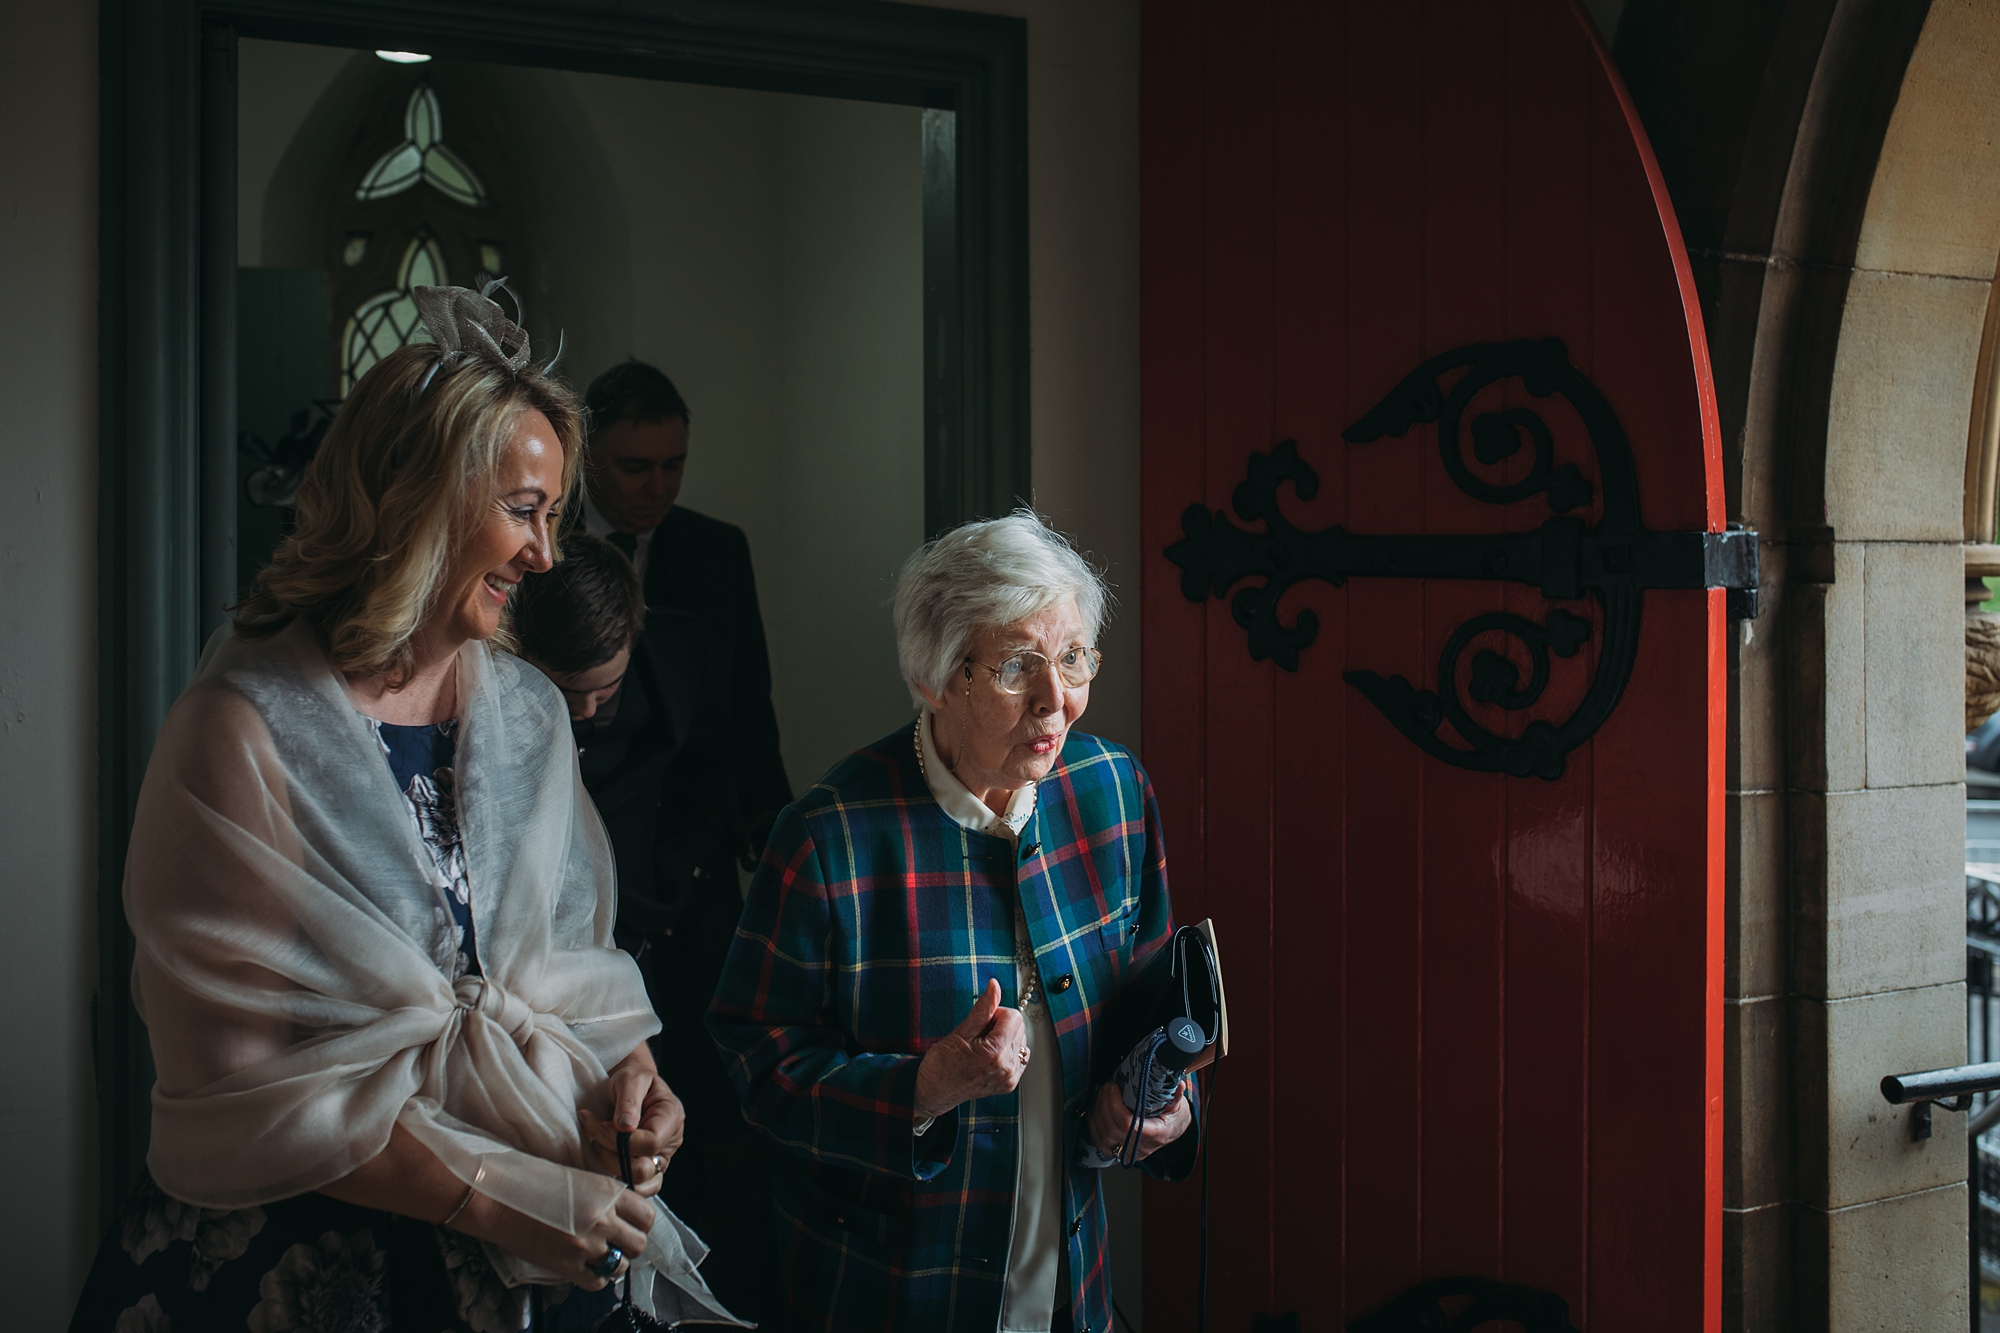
(1179, 986)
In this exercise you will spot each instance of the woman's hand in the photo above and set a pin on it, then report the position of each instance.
(982, 1057)
(1111, 1121)
(643, 1106)
(407, 1178)
(572, 1258)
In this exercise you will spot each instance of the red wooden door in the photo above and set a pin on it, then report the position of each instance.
(1474, 970)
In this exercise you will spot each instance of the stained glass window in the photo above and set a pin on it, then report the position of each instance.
(388, 320)
(414, 209)
(422, 157)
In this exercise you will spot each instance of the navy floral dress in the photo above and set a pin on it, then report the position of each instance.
(313, 1264)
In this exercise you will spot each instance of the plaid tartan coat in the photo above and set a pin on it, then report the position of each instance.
(871, 925)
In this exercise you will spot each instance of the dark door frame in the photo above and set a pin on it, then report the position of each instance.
(167, 309)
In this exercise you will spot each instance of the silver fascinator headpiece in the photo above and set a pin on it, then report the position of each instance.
(465, 323)
(460, 320)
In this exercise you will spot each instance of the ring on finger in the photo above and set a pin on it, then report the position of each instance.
(1024, 1055)
(607, 1267)
(659, 1166)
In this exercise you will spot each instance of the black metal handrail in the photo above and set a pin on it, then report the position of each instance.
(1936, 1085)
(1954, 1088)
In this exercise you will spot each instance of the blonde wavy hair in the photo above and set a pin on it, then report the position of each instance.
(405, 475)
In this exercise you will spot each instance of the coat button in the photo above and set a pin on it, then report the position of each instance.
(1076, 1226)
(1061, 983)
(1030, 850)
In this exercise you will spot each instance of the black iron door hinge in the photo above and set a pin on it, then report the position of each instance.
(1614, 561)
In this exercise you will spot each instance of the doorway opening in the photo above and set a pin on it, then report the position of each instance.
(765, 249)
(189, 255)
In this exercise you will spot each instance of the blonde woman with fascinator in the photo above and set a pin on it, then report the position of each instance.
(397, 1050)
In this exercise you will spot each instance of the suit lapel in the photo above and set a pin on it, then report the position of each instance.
(674, 655)
(660, 565)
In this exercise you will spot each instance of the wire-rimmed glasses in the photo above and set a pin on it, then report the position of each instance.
(1018, 672)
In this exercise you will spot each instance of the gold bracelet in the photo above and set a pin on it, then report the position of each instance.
(453, 1215)
(471, 1189)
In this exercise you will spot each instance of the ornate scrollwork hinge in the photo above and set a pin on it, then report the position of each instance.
(1614, 561)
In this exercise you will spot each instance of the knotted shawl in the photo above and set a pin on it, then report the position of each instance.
(284, 919)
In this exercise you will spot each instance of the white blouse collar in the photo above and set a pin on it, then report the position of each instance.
(965, 809)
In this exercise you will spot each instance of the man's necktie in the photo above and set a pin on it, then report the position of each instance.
(625, 542)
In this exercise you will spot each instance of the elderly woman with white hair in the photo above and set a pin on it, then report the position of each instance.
(914, 1003)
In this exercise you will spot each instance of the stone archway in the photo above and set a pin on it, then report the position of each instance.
(1911, 334)
(1856, 336)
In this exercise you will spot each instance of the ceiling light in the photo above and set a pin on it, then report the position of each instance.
(403, 57)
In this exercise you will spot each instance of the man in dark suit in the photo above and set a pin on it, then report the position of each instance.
(644, 689)
(728, 783)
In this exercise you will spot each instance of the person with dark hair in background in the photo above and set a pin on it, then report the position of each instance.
(638, 685)
(582, 624)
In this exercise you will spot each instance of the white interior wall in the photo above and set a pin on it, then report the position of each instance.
(699, 170)
(48, 659)
(853, 420)
(278, 83)
(1083, 295)
(776, 276)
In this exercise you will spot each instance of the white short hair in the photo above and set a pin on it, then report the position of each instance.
(980, 576)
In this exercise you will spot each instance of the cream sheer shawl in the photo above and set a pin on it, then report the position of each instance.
(285, 924)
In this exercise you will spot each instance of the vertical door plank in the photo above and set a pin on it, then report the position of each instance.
(1649, 1076)
(1548, 862)
(1308, 803)
(1237, 154)
(1172, 476)
(1382, 977)
(1464, 813)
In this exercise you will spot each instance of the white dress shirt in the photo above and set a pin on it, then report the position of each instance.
(597, 525)
(1035, 1259)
